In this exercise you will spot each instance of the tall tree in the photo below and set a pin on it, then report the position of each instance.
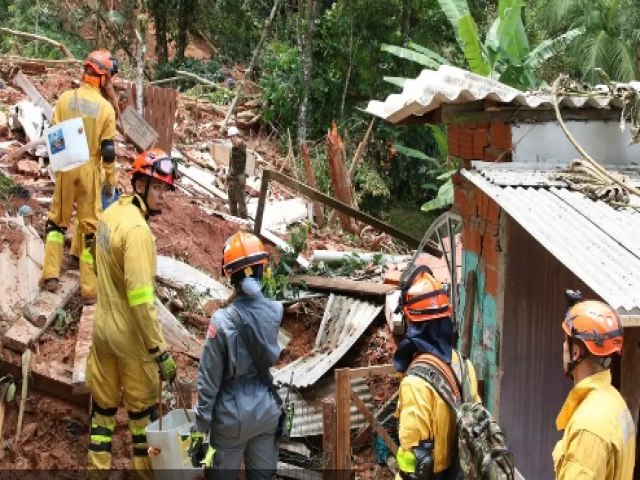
(306, 22)
(187, 14)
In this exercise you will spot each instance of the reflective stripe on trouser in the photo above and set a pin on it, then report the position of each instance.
(137, 423)
(103, 423)
(79, 187)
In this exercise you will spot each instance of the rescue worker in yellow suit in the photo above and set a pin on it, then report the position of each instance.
(427, 425)
(81, 185)
(128, 349)
(599, 440)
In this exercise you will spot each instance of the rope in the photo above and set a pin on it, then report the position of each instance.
(590, 177)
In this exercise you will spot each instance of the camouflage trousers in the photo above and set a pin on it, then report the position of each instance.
(235, 192)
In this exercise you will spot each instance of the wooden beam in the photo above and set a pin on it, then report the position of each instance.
(52, 378)
(469, 307)
(268, 175)
(26, 360)
(20, 80)
(343, 285)
(630, 321)
(329, 438)
(629, 377)
(511, 114)
(343, 423)
(42, 311)
(373, 421)
(372, 370)
(83, 345)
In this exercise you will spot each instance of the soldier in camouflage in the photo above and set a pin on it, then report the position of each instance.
(237, 178)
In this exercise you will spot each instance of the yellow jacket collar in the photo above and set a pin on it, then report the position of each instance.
(91, 86)
(578, 393)
(128, 199)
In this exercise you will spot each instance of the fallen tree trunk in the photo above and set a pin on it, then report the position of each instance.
(39, 61)
(67, 53)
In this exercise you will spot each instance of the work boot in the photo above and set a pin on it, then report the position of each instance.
(74, 263)
(51, 284)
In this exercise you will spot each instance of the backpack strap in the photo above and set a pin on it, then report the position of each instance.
(440, 376)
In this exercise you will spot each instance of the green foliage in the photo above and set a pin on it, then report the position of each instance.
(350, 265)
(505, 53)
(281, 81)
(611, 35)
(52, 23)
(278, 285)
(211, 70)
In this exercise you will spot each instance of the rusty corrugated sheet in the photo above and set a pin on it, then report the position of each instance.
(533, 386)
(307, 420)
(595, 241)
(345, 320)
(452, 85)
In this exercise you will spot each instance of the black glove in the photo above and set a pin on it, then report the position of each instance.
(198, 449)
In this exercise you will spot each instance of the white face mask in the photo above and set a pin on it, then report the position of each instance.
(250, 286)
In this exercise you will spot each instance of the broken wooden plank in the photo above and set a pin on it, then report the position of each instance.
(343, 423)
(469, 308)
(372, 370)
(50, 377)
(362, 408)
(175, 334)
(630, 380)
(26, 360)
(42, 311)
(17, 153)
(343, 285)
(27, 87)
(19, 336)
(268, 175)
(83, 345)
(329, 437)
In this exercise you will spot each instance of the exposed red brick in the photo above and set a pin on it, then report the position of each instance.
(480, 141)
(466, 146)
(493, 212)
(489, 252)
(501, 135)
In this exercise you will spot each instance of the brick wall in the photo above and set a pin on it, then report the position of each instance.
(480, 233)
(480, 141)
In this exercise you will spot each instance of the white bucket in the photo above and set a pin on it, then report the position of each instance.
(173, 462)
(67, 145)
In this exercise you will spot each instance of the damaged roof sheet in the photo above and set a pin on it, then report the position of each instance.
(307, 420)
(345, 320)
(573, 228)
(452, 85)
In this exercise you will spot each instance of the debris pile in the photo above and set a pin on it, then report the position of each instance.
(335, 322)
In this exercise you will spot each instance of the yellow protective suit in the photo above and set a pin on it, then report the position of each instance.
(126, 334)
(424, 415)
(599, 440)
(80, 186)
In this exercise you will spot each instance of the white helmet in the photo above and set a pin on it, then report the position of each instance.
(232, 131)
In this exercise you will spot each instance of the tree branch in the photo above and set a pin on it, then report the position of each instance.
(67, 53)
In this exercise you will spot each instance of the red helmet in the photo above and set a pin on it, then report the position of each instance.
(423, 297)
(242, 250)
(155, 163)
(597, 325)
(102, 62)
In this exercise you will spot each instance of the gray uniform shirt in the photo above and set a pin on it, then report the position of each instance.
(234, 404)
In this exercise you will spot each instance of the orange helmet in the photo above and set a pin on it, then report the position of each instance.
(423, 297)
(155, 163)
(242, 250)
(597, 325)
(102, 62)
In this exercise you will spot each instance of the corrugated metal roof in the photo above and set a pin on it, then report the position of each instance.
(307, 419)
(595, 241)
(452, 85)
(345, 320)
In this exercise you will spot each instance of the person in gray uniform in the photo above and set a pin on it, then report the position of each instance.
(235, 405)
